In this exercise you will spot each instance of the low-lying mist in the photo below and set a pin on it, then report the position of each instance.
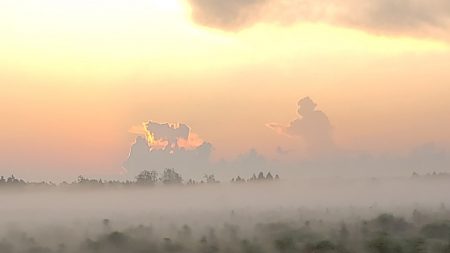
(315, 215)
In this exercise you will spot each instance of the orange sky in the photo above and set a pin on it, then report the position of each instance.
(75, 77)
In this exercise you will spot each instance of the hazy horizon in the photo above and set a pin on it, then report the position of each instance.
(224, 126)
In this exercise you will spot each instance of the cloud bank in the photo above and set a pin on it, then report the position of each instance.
(395, 17)
(162, 146)
(175, 146)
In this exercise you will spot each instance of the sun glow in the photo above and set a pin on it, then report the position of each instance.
(150, 138)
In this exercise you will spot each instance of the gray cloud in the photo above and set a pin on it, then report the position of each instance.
(168, 146)
(412, 17)
(176, 146)
(191, 156)
(193, 162)
(229, 14)
(167, 132)
(415, 17)
(312, 126)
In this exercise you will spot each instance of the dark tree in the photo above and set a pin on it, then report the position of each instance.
(12, 180)
(240, 180)
(191, 182)
(170, 176)
(261, 176)
(210, 179)
(147, 178)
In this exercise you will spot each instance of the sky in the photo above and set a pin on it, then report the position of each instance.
(81, 80)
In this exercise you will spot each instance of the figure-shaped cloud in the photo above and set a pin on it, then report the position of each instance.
(414, 17)
(312, 125)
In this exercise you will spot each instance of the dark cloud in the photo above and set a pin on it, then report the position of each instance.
(414, 17)
(229, 14)
(411, 17)
(167, 132)
(312, 126)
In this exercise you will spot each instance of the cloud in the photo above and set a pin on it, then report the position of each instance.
(229, 14)
(191, 156)
(312, 126)
(168, 146)
(281, 151)
(192, 142)
(410, 17)
(245, 165)
(166, 133)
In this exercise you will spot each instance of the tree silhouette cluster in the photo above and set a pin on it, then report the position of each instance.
(11, 181)
(431, 176)
(144, 179)
(254, 178)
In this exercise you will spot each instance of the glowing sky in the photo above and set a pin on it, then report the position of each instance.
(76, 76)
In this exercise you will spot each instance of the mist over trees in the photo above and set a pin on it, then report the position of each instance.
(383, 233)
(160, 211)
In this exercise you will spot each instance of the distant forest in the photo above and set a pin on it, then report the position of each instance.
(145, 178)
(149, 178)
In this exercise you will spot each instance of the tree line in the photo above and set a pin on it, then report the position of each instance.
(145, 178)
